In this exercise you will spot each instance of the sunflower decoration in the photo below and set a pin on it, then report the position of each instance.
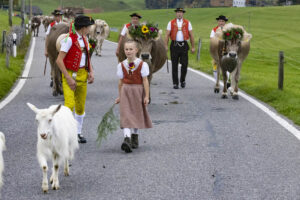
(233, 33)
(145, 31)
(92, 45)
(131, 67)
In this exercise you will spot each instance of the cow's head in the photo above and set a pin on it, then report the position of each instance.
(145, 46)
(44, 119)
(231, 49)
(100, 26)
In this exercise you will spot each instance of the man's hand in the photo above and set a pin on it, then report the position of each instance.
(72, 83)
(193, 50)
(91, 77)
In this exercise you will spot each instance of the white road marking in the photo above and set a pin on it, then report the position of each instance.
(292, 129)
(21, 82)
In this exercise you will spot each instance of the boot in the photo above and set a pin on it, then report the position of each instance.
(126, 145)
(134, 141)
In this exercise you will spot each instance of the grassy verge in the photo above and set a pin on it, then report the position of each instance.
(274, 29)
(8, 76)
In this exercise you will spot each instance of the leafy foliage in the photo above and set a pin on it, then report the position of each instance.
(108, 125)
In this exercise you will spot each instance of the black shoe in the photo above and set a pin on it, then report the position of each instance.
(51, 83)
(175, 86)
(81, 139)
(228, 84)
(182, 84)
(126, 145)
(134, 141)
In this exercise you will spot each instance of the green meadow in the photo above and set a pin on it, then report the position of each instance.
(273, 29)
(8, 76)
(105, 5)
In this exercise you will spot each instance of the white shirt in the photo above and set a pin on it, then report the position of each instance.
(212, 34)
(179, 36)
(144, 71)
(49, 27)
(66, 45)
(124, 30)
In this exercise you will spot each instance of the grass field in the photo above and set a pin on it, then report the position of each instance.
(274, 29)
(8, 76)
(106, 5)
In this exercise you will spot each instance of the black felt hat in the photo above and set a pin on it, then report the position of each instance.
(136, 15)
(222, 17)
(57, 12)
(83, 20)
(179, 10)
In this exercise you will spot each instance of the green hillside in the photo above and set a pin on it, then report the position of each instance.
(274, 29)
(105, 5)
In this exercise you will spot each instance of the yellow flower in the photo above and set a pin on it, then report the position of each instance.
(145, 29)
(90, 45)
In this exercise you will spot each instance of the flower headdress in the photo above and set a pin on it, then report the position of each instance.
(143, 31)
(233, 33)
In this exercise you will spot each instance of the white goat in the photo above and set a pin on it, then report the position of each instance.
(2, 148)
(57, 138)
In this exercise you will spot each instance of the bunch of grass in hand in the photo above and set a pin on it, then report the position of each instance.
(109, 123)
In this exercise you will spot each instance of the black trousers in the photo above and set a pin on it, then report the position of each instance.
(179, 54)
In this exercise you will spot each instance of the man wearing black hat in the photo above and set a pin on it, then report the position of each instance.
(179, 30)
(74, 62)
(221, 23)
(57, 19)
(135, 20)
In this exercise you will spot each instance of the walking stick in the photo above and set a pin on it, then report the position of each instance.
(45, 66)
(167, 63)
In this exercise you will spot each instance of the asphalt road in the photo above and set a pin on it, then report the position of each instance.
(201, 146)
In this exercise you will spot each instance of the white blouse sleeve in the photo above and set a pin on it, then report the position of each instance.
(145, 70)
(120, 71)
(169, 26)
(212, 34)
(65, 44)
(48, 29)
(124, 30)
(190, 26)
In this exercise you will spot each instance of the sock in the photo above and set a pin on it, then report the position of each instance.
(79, 119)
(127, 132)
(216, 75)
(134, 131)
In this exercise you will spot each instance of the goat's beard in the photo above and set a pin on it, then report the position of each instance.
(228, 63)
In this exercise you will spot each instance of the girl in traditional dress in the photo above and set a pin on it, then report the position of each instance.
(133, 96)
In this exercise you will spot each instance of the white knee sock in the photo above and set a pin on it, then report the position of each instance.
(216, 75)
(79, 119)
(127, 132)
(134, 130)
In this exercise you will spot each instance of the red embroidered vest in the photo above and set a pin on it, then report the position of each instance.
(133, 78)
(184, 29)
(215, 29)
(73, 57)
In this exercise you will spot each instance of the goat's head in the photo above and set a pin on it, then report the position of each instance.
(44, 119)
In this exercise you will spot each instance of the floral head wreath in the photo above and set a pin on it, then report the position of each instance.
(145, 31)
(233, 33)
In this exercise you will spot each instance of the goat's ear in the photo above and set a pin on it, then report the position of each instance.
(57, 109)
(33, 108)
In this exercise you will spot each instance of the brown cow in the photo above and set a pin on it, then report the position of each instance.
(151, 51)
(55, 32)
(99, 32)
(47, 21)
(35, 25)
(229, 48)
